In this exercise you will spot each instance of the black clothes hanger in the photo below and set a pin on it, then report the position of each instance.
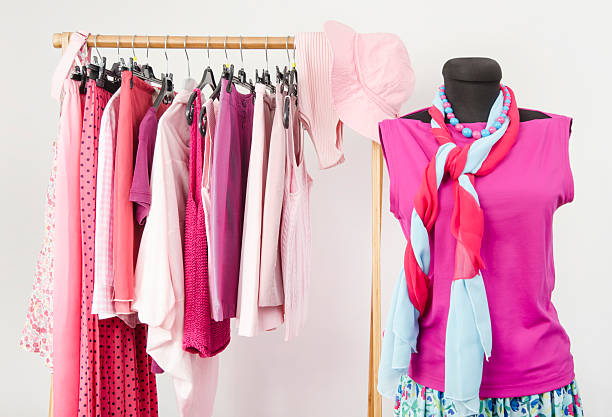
(203, 121)
(133, 59)
(147, 70)
(241, 79)
(225, 74)
(237, 81)
(80, 74)
(119, 66)
(108, 80)
(167, 86)
(92, 69)
(265, 74)
(208, 79)
(290, 82)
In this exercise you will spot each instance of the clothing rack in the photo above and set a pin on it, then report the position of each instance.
(61, 40)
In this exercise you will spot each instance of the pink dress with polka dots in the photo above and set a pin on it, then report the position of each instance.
(115, 377)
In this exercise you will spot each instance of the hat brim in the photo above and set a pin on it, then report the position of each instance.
(353, 105)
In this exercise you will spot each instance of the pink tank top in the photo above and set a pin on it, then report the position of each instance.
(531, 351)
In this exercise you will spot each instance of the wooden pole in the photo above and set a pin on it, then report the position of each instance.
(180, 42)
(64, 39)
(374, 398)
(51, 398)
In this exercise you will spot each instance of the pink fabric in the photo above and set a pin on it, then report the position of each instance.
(37, 334)
(140, 192)
(295, 238)
(253, 318)
(228, 189)
(211, 120)
(102, 304)
(366, 85)
(78, 41)
(467, 217)
(67, 265)
(314, 60)
(160, 283)
(270, 274)
(115, 370)
(201, 334)
(126, 233)
(518, 199)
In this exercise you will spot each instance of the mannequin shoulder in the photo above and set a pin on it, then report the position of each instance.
(527, 115)
(524, 114)
(421, 115)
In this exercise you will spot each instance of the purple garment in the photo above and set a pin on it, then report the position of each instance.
(231, 152)
(155, 368)
(140, 192)
(201, 334)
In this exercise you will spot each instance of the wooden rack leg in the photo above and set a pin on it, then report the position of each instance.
(51, 398)
(65, 40)
(374, 399)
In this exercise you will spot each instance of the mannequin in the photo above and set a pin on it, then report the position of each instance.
(472, 85)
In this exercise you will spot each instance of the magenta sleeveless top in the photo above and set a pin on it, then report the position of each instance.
(531, 351)
(201, 334)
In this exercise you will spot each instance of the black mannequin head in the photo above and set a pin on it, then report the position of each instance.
(472, 85)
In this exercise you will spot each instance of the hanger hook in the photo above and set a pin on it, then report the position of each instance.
(266, 47)
(147, 49)
(287, 49)
(208, 49)
(96, 46)
(187, 56)
(225, 49)
(118, 54)
(133, 52)
(241, 57)
(166, 52)
(294, 53)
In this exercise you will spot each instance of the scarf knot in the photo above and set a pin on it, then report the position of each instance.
(455, 162)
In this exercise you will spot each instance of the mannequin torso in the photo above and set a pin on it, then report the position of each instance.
(472, 85)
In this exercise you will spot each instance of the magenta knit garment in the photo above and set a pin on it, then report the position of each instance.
(201, 334)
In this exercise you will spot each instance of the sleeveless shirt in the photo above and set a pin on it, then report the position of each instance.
(531, 351)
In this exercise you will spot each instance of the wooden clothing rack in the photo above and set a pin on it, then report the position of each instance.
(60, 40)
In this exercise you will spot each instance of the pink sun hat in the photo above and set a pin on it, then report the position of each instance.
(371, 77)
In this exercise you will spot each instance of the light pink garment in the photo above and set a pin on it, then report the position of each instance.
(252, 317)
(102, 304)
(67, 267)
(270, 274)
(76, 46)
(211, 117)
(159, 278)
(314, 60)
(295, 236)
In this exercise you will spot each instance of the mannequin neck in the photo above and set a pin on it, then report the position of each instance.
(472, 86)
(471, 101)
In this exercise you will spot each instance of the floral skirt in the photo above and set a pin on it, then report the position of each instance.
(414, 400)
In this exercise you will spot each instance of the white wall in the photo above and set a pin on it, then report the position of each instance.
(555, 55)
